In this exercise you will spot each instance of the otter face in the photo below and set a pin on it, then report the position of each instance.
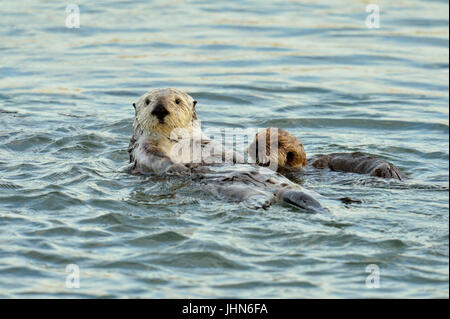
(289, 152)
(162, 110)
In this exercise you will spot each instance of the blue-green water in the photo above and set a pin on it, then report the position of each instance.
(311, 67)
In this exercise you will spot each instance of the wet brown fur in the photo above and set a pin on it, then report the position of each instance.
(292, 156)
(291, 153)
(358, 162)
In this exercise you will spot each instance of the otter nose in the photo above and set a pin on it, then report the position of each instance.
(160, 112)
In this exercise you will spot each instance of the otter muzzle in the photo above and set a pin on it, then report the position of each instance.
(160, 112)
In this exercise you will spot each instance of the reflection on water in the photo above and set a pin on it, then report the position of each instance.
(311, 67)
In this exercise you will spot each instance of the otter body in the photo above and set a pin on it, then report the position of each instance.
(164, 117)
(359, 163)
(292, 156)
(256, 187)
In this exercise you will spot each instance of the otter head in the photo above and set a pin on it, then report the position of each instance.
(290, 154)
(163, 110)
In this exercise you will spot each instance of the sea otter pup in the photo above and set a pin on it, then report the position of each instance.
(292, 156)
(163, 119)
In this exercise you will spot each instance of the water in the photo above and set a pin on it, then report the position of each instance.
(310, 67)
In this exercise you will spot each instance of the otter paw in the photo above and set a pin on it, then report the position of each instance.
(387, 170)
(321, 161)
(177, 168)
(192, 165)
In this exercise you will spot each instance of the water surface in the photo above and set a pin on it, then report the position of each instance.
(311, 67)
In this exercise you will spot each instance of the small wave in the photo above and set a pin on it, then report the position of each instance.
(164, 237)
(390, 125)
(197, 260)
(66, 231)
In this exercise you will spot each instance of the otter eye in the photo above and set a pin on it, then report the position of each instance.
(195, 103)
(177, 101)
(147, 101)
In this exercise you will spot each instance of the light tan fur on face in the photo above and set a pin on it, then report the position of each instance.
(291, 154)
(180, 115)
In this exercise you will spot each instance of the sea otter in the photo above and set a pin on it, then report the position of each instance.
(292, 156)
(163, 119)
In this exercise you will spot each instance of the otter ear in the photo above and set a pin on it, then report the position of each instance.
(194, 113)
(195, 103)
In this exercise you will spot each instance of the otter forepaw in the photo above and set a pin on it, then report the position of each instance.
(387, 170)
(301, 199)
(177, 168)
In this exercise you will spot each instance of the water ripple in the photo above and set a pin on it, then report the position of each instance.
(66, 117)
